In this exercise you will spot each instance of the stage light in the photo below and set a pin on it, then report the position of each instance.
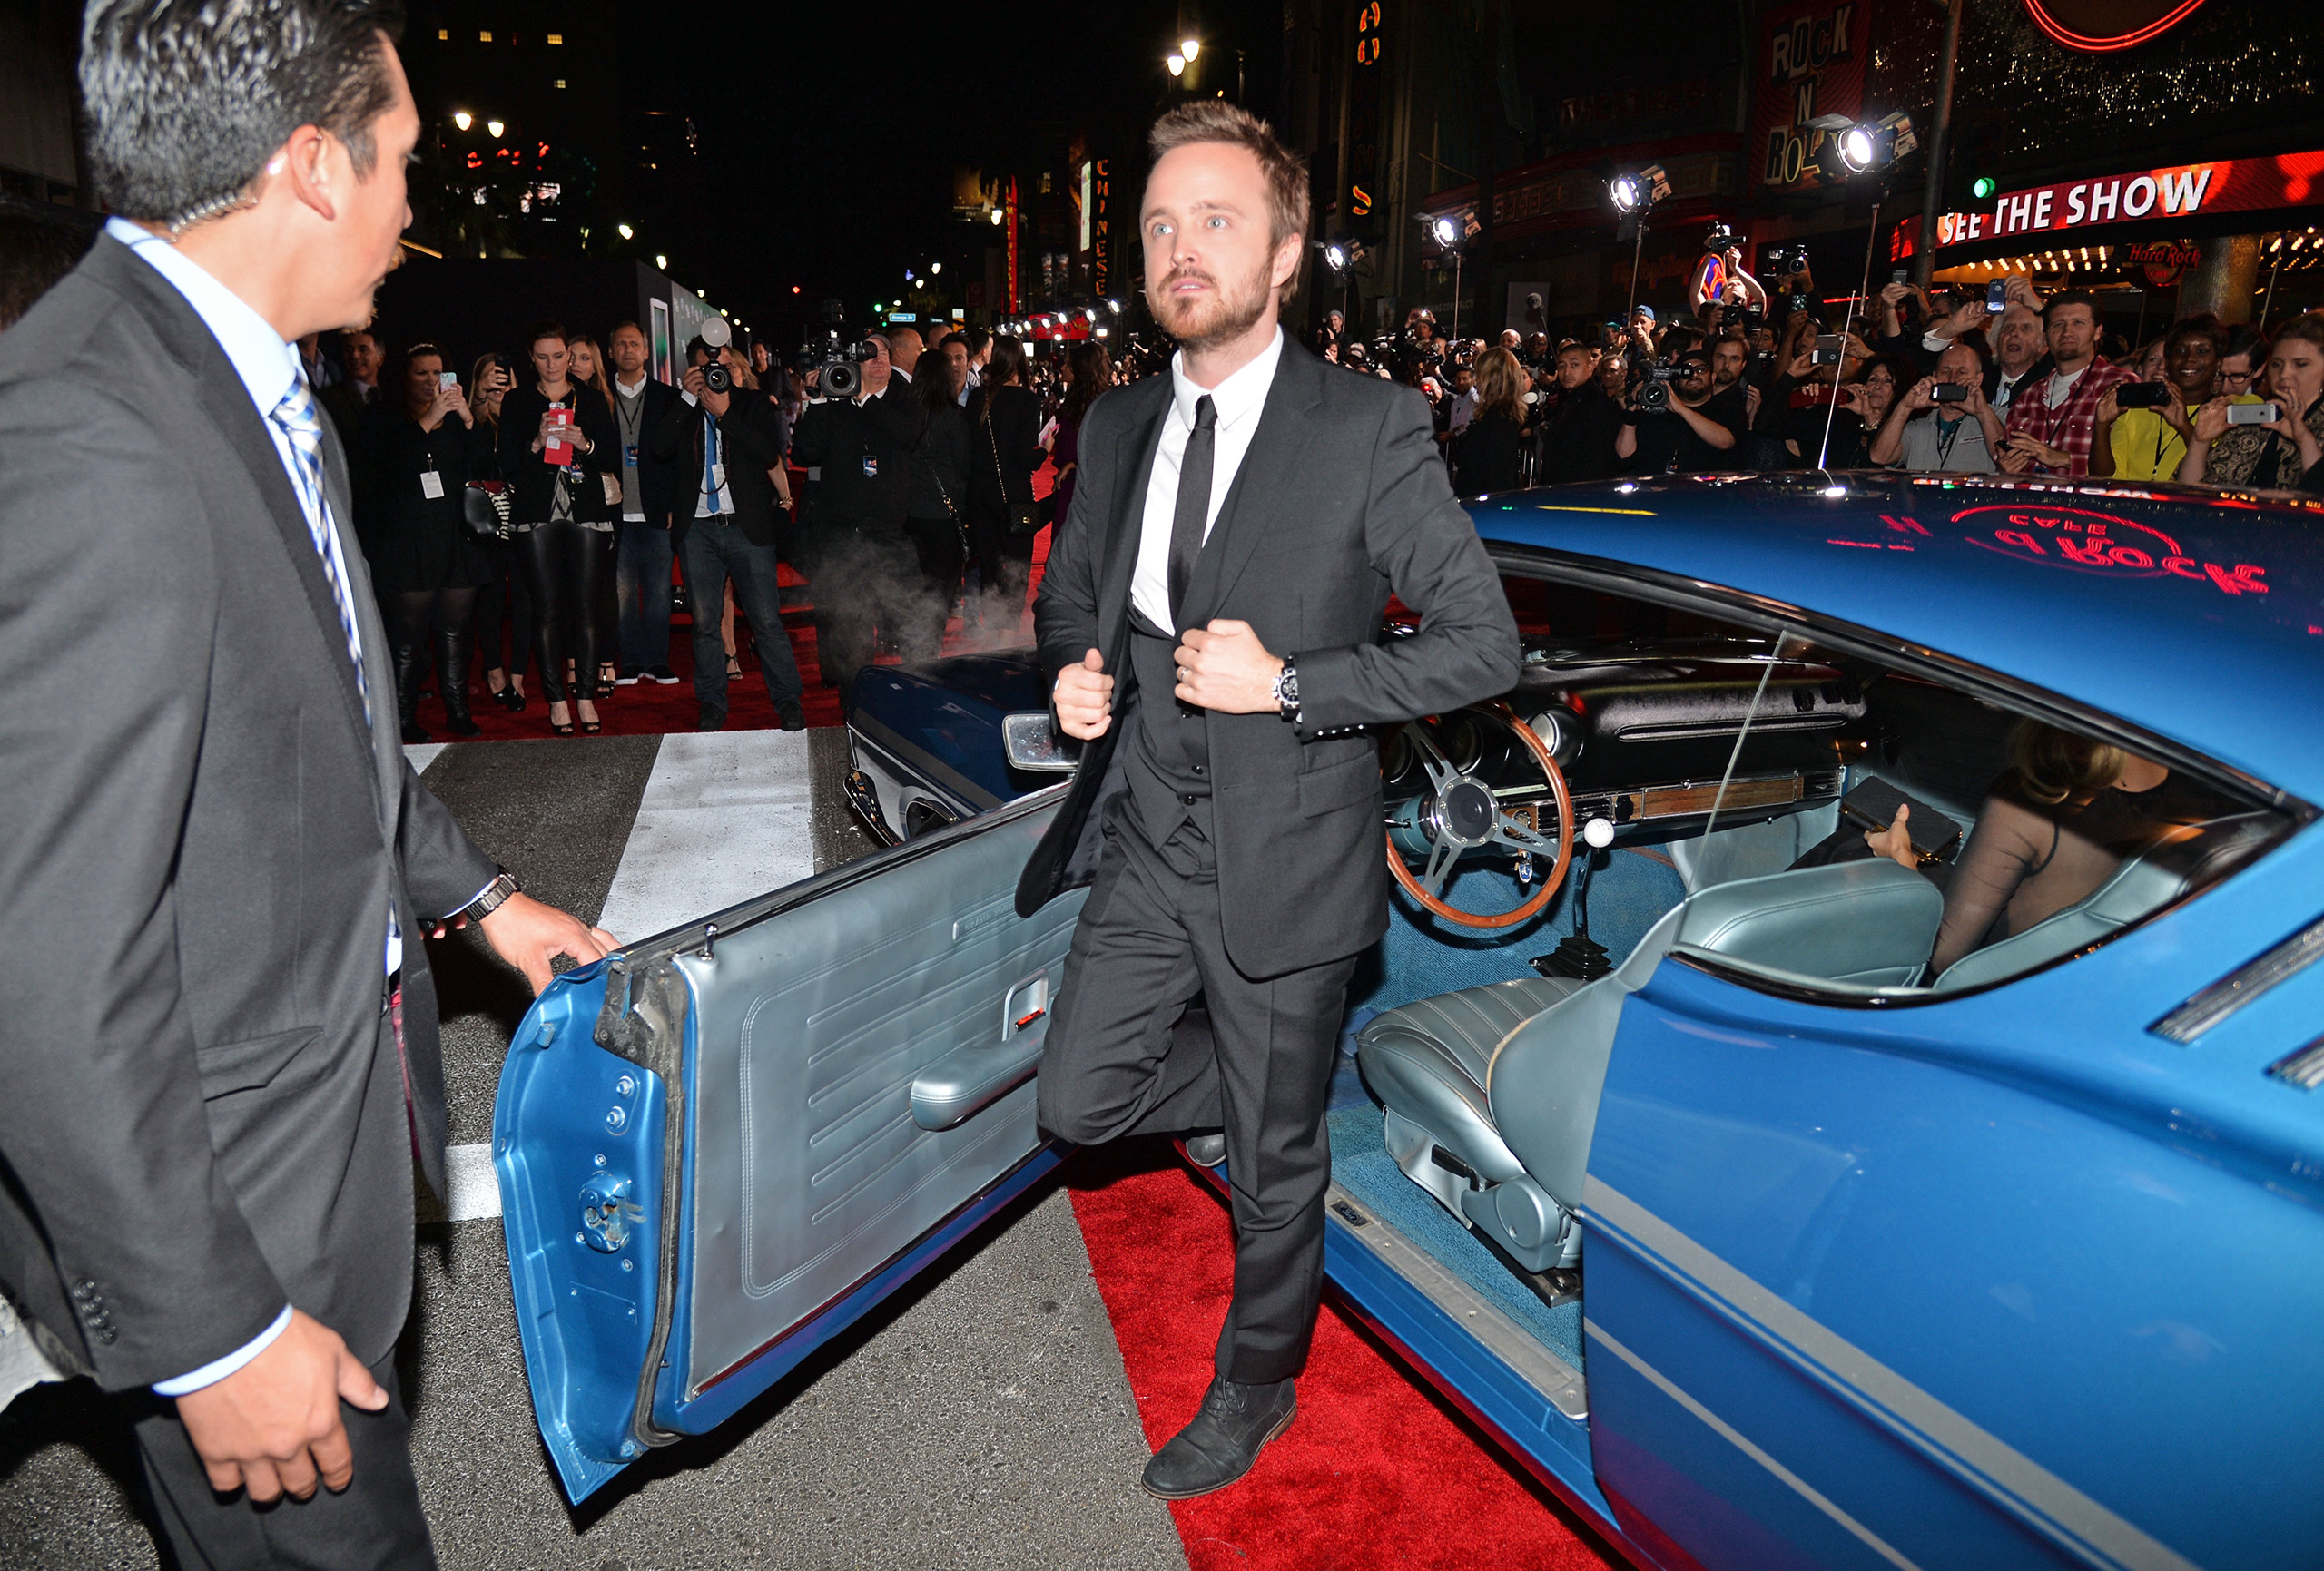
(463, 119)
(1191, 47)
(1861, 147)
(1445, 233)
(1115, 306)
(1337, 255)
(625, 232)
(494, 127)
(1176, 62)
(1639, 193)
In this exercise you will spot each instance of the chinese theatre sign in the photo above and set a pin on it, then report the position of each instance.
(1810, 63)
(2095, 26)
(2223, 185)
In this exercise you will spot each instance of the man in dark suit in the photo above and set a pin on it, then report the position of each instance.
(220, 1043)
(866, 573)
(649, 488)
(724, 447)
(346, 399)
(1210, 618)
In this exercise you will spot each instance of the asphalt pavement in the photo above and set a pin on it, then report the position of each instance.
(980, 1419)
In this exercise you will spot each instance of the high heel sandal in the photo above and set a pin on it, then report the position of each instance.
(588, 727)
(561, 728)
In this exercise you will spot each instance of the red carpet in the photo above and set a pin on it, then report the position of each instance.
(1376, 1471)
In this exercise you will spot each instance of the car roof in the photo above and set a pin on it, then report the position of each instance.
(2194, 613)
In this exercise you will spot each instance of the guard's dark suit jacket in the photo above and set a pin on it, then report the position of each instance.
(203, 839)
(1340, 500)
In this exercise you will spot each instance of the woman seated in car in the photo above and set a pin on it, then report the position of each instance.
(2054, 827)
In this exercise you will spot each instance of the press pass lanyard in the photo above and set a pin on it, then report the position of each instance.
(1946, 436)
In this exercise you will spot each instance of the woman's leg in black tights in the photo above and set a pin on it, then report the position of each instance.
(537, 561)
(407, 642)
(590, 570)
(453, 609)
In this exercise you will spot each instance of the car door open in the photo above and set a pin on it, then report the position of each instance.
(720, 1147)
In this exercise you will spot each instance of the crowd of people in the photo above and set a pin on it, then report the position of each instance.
(1971, 380)
(522, 518)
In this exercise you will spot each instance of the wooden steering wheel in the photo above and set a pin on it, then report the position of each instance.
(1460, 813)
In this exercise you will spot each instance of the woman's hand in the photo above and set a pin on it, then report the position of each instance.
(2211, 423)
(1895, 842)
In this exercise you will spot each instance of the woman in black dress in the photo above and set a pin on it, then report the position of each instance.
(1001, 485)
(1485, 455)
(561, 454)
(414, 446)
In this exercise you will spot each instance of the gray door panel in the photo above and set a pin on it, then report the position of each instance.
(809, 1168)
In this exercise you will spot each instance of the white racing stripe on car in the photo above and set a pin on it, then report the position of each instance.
(725, 815)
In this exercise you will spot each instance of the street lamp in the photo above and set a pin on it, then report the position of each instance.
(1176, 62)
(661, 262)
(935, 268)
(625, 232)
(463, 119)
(494, 127)
(1191, 48)
(996, 215)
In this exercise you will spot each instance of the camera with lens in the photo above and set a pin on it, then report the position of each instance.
(1786, 259)
(1720, 239)
(835, 363)
(1653, 394)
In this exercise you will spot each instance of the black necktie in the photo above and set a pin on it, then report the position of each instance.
(1194, 502)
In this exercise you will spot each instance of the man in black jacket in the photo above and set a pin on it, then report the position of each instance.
(724, 445)
(1578, 439)
(648, 501)
(1210, 620)
(866, 573)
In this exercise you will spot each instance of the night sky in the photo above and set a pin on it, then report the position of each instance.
(829, 132)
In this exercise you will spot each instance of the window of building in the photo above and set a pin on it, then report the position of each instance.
(443, 35)
(560, 85)
(485, 36)
(556, 38)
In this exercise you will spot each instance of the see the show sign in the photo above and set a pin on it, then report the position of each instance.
(2095, 26)
(1810, 64)
(2223, 185)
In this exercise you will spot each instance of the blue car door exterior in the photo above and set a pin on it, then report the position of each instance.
(722, 1146)
(2006, 1278)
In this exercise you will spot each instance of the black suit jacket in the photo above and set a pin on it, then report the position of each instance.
(751, 436)
(202, 842)
(657, 477)
(838, 437)
(1340, 501)
(532, 478)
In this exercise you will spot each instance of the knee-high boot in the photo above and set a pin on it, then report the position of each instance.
(411, 665)
(452, 679)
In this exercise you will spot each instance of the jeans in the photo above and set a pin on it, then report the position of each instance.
(642, 584)
(717, 551)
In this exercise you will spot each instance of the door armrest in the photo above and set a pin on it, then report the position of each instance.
(973, 1076)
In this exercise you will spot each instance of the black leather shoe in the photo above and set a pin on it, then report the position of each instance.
(1224, 1441)
(794, 716)
(710, 719)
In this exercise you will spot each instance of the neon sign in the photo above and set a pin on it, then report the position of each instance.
(2095, 26)
(2080, 540)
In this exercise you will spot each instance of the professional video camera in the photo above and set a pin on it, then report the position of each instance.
(1720, 239)
(833, 358)
(1653, 395)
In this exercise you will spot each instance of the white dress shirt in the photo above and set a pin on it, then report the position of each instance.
(1237, 401)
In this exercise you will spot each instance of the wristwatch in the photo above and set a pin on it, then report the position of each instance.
(496, 894)
(1287, 691)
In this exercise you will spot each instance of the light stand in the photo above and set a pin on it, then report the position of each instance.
(1634, 196)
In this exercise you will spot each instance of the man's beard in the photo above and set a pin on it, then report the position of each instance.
(1219, 316)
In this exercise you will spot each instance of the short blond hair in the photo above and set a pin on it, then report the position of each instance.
(1215, 120)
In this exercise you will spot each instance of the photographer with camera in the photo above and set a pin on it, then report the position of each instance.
(723, 438)
(1676, 422)
(1942, 422)
(861, 432)
(1719, 276)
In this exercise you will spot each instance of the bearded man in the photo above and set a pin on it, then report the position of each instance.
(1209, 620)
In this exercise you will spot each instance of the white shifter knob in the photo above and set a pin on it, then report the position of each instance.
(1598, 833)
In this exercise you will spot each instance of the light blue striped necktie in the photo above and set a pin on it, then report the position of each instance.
(296, 415)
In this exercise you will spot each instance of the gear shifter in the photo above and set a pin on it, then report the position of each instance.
(1578, 955)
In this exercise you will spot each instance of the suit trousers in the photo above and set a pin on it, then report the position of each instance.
(1124, 1056)
(375, 1522)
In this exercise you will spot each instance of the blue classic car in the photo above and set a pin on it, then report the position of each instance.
(1773, 1202)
